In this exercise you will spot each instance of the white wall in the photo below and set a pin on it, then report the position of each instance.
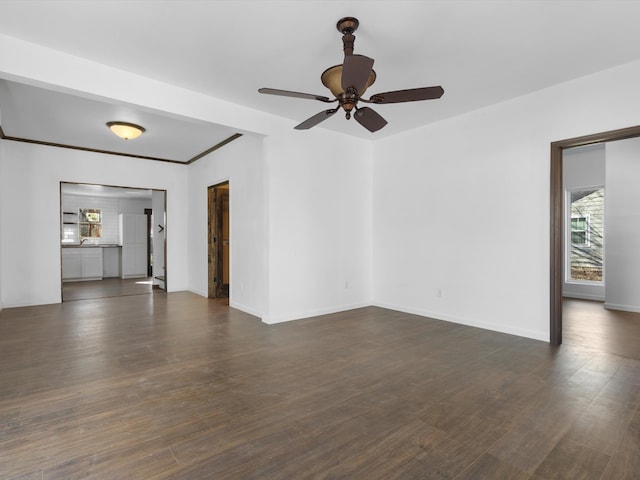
(583, 167)
(461, 207)
(328, 267)
(300, 223)
(30, 213)
(240, 162)
(157, 207)
(319, 207)
(622, 206)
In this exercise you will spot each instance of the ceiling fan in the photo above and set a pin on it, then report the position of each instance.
(349, 81)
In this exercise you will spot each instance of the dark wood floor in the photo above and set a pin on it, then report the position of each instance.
(588, 324)
(178, 386)
(107, 287)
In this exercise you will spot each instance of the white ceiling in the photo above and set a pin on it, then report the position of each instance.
(481, 52)
(105, 191)
(35, 113)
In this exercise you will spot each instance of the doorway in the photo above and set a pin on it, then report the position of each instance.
(218, 241)
(557, 218)
(98, 258)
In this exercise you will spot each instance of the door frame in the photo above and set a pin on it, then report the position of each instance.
(556, 259)
(215, 256)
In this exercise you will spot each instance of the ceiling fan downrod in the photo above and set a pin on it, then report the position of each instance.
(347, 26)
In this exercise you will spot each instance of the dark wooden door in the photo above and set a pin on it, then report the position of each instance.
(218, 241)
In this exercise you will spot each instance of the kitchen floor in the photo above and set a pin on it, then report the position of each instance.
(108, 287)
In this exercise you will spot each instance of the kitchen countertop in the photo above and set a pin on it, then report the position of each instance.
(90, 245)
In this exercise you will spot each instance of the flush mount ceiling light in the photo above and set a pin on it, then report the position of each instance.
(126, 130)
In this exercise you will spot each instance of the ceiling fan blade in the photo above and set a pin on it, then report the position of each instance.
(287, 93)
(369, 119)
(316, 119)
(410, 95)
(355, 72)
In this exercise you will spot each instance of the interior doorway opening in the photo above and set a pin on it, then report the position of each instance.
(557, 223)
(112, 241)
(219, 271)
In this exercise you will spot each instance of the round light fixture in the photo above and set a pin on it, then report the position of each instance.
(126, 130)
(332, 79)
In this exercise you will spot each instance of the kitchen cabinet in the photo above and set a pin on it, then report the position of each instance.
(71, 263)
(133, 238)
(82, 263)
(92, 263)
(111, 262)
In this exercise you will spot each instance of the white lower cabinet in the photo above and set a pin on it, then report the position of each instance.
(92, 263)
(82, 263)
(71, 263)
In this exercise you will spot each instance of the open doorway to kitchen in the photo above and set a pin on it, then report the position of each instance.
(218, 241)
(112, 241)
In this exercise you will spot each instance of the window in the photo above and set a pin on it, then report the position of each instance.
(580, 230)
(585, 234)
(90, 222)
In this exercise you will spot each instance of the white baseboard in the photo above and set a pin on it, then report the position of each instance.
(583, 296)
(520, 332)
(624, 308)
(246, 309)
(198, 292)
(310, 313)
(51, 301)
(236, 305)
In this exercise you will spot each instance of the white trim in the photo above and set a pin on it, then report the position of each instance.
(542, 336)
(198, 292)
(237, 306)
(624, 308)
(31, 304)
(593, 283)
(270, 320)
(583, 296)
(587, 232)
(245, 309)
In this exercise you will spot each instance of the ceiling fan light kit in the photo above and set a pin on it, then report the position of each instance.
(349, 81)
(126, 130)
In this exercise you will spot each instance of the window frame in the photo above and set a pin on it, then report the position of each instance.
(586, 231)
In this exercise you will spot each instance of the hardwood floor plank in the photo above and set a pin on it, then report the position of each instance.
(625, 462)
(488, 467)
(571, 460)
